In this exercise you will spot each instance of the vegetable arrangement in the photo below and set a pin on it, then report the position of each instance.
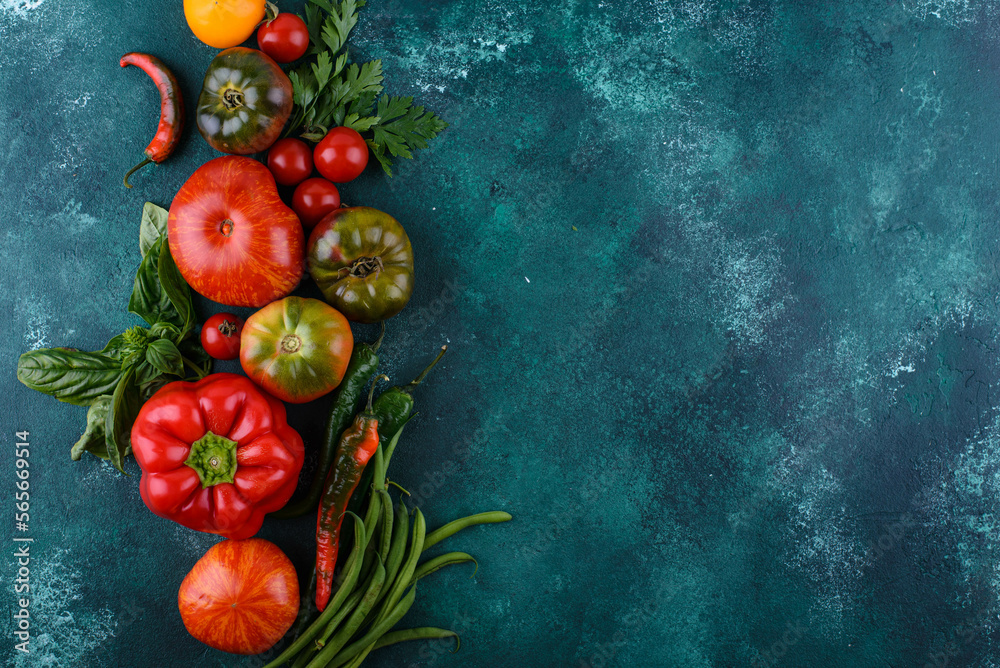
(216, 451)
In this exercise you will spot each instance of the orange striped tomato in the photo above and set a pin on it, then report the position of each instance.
(233, 239)
(241, 596)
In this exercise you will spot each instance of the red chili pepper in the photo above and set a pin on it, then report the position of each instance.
(357, 445)
(171, 108)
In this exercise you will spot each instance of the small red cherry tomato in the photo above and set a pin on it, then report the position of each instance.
(341, 155)
(220, 336)
(290, 160)
(285, 38)
(313, 199)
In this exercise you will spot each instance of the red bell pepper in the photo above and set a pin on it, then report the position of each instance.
(216, 455)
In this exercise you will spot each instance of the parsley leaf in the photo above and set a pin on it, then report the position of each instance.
(331, 91)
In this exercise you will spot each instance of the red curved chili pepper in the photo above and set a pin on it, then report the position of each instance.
(357, 445)
(171, 108)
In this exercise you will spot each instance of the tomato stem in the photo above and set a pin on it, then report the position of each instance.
(290, 343)
(364, 266)
(232, 98)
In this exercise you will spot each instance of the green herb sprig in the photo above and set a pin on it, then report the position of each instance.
(331, 91)
(116, 380)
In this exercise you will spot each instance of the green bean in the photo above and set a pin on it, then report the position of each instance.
(409, 565)
(397, 548)
(349, 605)
(305, 657)
(353, 622)
(367, 642)
(437, 563)
(387, 516)
(352, 568)
(419, 633)
(452, 528)
(372, 516)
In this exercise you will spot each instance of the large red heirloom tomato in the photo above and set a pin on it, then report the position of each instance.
(241, 597)
(232, 237)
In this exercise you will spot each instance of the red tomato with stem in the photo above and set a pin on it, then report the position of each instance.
(341, 155)
(220, 336)
(290, 160)
(285, 38)
(240, 597)
(313, 199)
(233, 239)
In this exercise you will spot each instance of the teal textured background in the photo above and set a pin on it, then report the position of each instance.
(719, 282)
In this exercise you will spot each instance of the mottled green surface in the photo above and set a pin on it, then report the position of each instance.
(719, 284)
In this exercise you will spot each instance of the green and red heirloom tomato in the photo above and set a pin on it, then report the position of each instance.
(216, 455)
(362, 261)
(297, 348)
(232, 237)
(245, 101)
(240, 597)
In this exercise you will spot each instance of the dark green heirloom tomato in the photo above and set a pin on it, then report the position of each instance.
(244, 103)
(362, 261)
(296, 348)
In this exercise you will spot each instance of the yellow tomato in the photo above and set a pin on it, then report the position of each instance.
(223, 23)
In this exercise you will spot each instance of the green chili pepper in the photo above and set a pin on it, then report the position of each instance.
(364, 362)
(392, 408)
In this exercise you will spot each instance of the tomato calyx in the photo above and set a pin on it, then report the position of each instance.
(364, 267)
(270, 13)
(233, 99)
(213, 458)
(228, 327)
(291, 343)
(314, 133)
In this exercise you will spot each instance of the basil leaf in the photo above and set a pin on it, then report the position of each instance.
(93, 440)
(69, 375)
(175, 288)
(114, 347)
(153, 226)
(121, 415)
(149, 300)
(166, 330)
(165, 357)
(145, 373)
